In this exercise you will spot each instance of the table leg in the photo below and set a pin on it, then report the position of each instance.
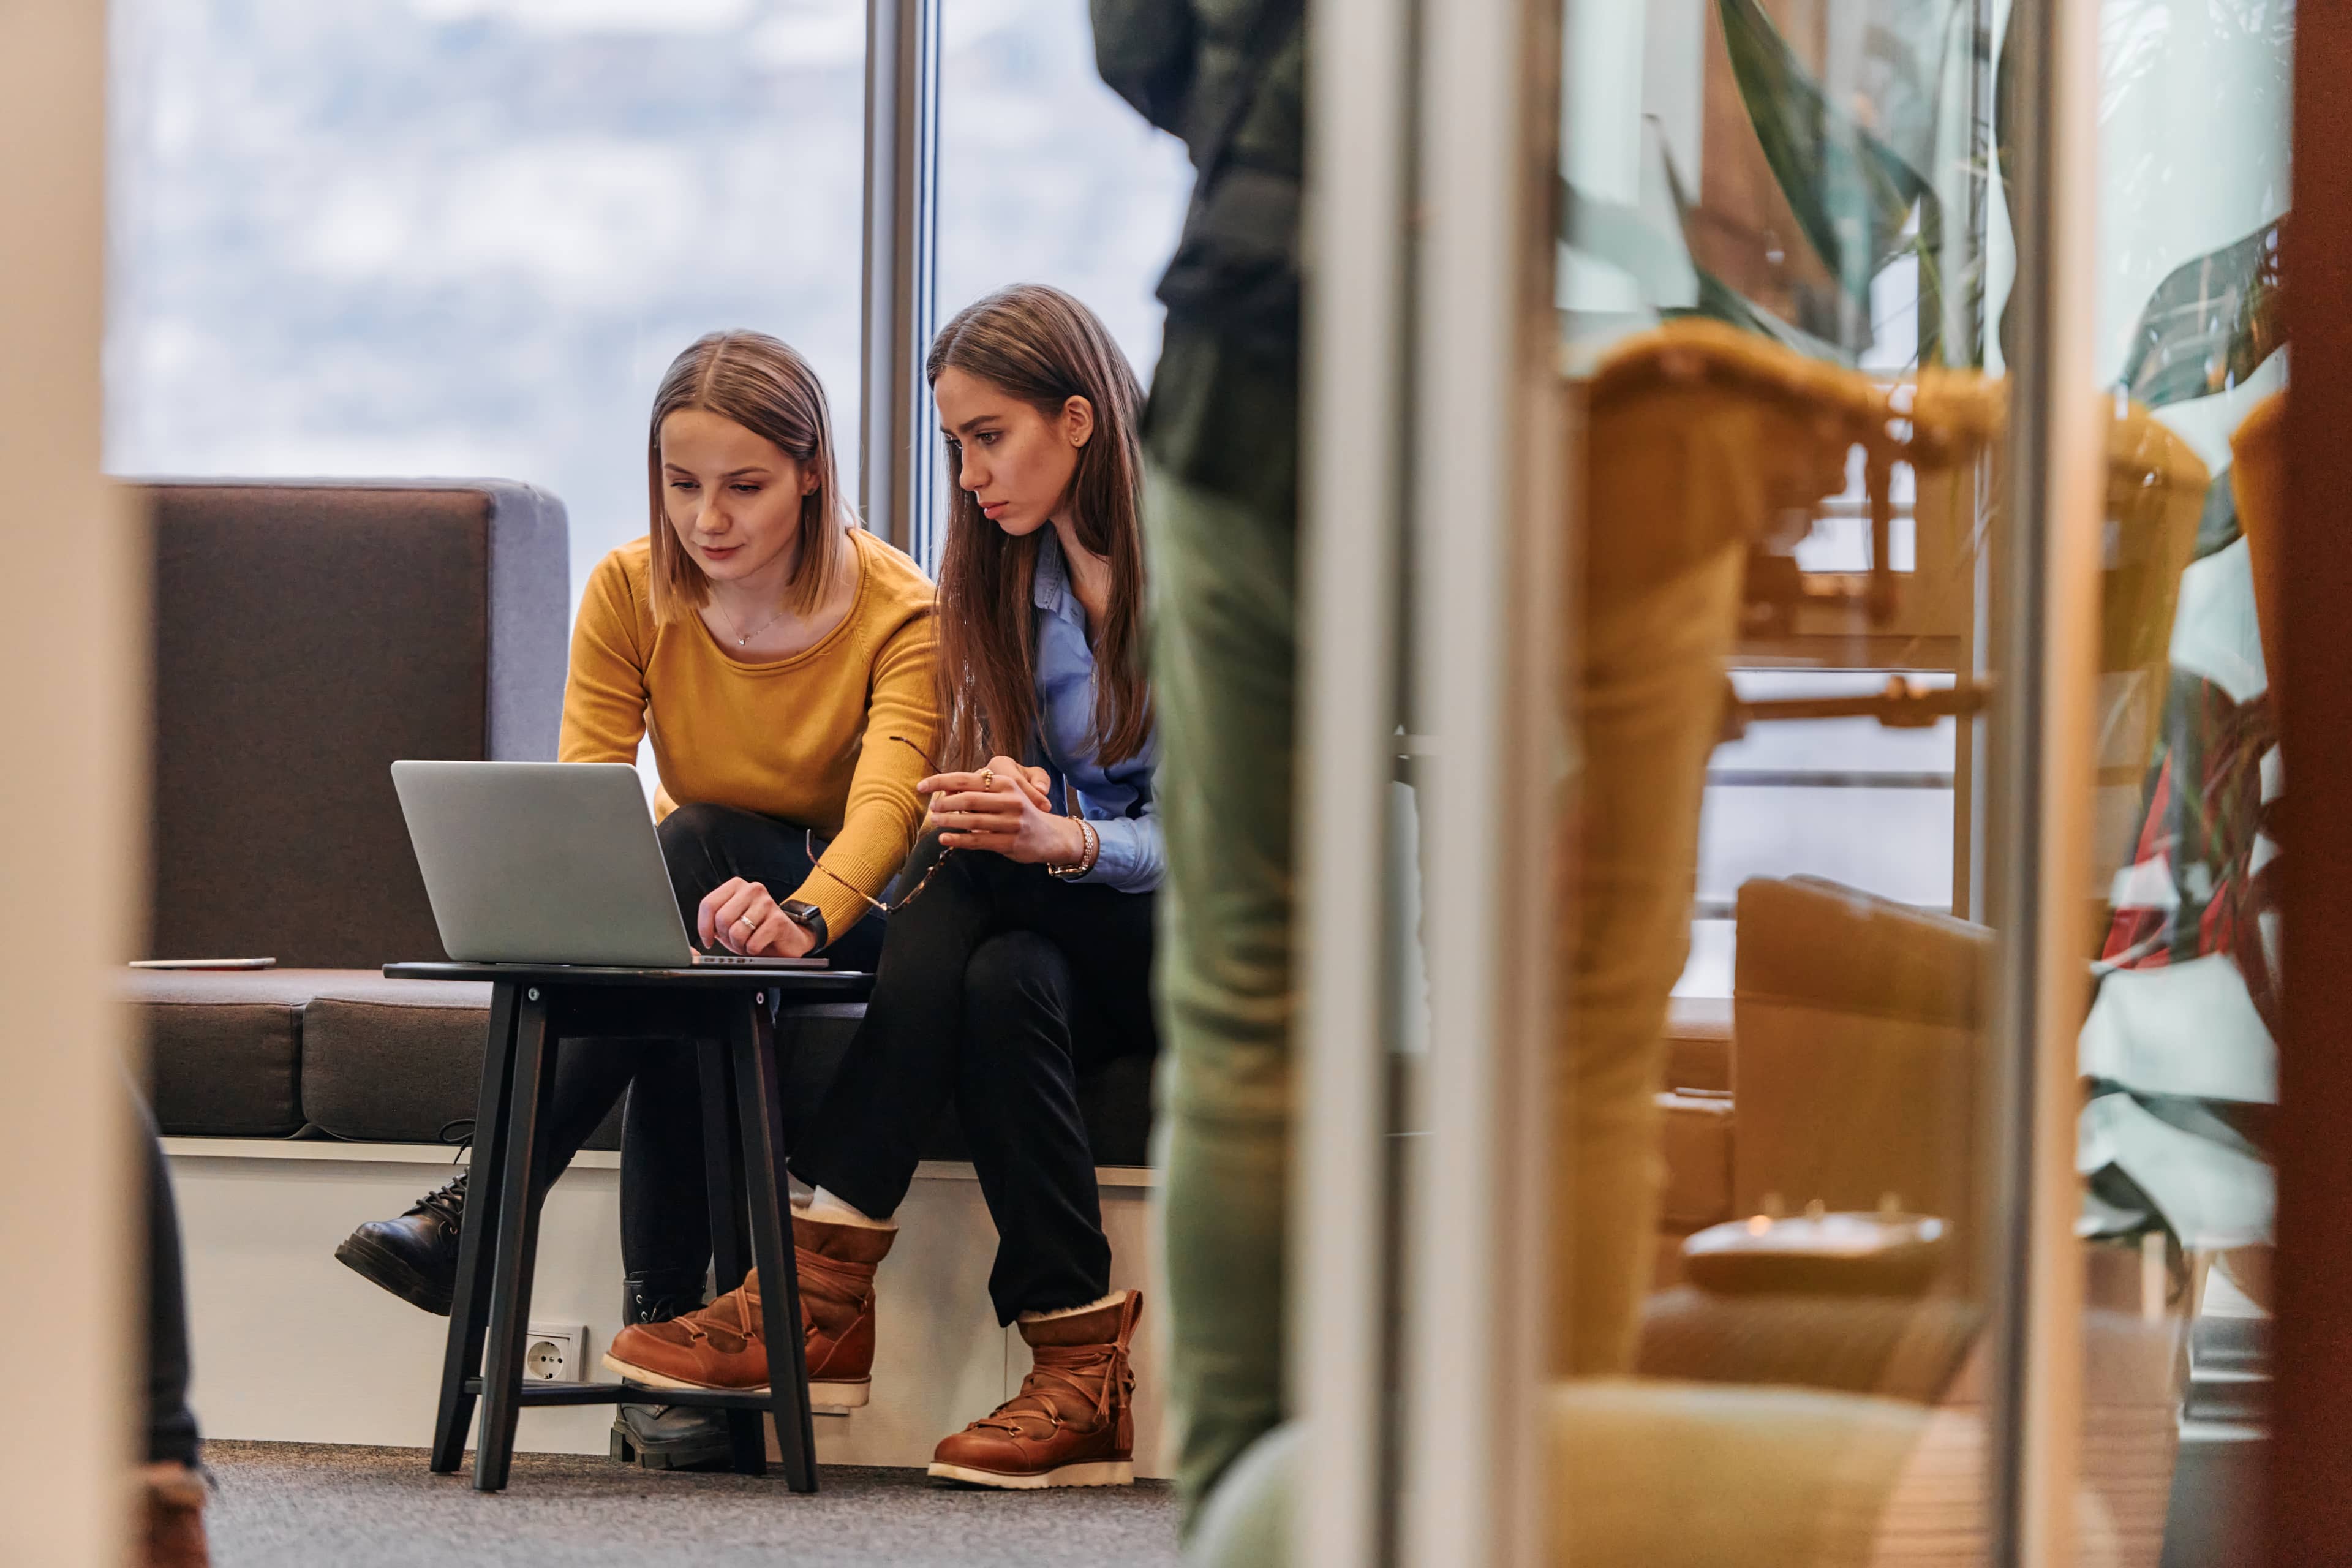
(723, 1180)
(760, 1097)
(518, 1243)
(469, 1305)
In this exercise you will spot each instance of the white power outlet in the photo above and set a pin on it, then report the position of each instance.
(555, 1352)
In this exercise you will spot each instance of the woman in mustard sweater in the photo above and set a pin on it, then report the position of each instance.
(781, 661)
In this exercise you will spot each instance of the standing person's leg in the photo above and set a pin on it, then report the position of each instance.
(172, 1528)
(1225, 652)
(172, 1435)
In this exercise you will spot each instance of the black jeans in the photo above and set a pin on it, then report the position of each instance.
(999, 986)
(170, 1425)
(664, 1221)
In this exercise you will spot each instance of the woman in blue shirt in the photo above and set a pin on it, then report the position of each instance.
(1024, 956)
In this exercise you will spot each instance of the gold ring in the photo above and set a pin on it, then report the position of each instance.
(987, 779)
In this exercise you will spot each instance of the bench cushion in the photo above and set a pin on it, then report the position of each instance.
(396, 1061)
(224, 1051)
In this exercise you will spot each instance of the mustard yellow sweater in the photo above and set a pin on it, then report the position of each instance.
(805, 737)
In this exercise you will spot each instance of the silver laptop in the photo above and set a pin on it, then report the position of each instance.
(548, 863)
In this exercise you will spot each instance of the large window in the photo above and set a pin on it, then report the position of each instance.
(1045, 175)
(406, 237)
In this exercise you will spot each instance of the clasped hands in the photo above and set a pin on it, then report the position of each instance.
(1004, 807)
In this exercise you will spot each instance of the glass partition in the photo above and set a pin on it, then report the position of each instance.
(1904, 1032)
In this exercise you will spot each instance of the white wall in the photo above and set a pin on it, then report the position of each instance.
(290, 1346)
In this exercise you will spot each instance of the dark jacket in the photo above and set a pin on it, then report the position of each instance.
(1229, 77)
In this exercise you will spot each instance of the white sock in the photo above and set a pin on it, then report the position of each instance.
(823, 1204)
(1114, 1298)
(798, 1190)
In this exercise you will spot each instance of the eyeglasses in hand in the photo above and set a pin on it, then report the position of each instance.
(924, 882)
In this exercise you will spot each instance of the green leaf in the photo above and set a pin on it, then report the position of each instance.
(1623, 235)
(2210, 324)
(1852, 194)
(1906, 50)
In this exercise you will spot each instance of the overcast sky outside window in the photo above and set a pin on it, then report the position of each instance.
(399, 238)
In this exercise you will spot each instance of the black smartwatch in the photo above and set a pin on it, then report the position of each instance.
(809, 918)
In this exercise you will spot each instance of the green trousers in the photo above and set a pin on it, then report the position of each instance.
(1225, 653)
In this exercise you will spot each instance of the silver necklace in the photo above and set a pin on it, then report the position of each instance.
(743, 639)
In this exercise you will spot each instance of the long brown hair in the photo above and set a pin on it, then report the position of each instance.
(1042, 346)
(766, 388)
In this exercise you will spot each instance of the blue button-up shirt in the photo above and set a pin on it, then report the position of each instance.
(1117, 800)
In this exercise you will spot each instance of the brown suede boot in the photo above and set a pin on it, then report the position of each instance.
(722, 1346)
(1072, 1424)
(836, 1263)
(171, 1526)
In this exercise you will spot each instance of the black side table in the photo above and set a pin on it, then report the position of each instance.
(728, 1014)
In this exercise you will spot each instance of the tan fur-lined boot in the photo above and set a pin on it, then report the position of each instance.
(1073, 1423)
(722, 1345)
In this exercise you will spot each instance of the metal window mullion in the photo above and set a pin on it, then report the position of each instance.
(2043, 623)
(1353, 424)
(900, 254)
(1486, 530)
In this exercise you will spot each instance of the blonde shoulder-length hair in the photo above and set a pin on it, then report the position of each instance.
(764, 386)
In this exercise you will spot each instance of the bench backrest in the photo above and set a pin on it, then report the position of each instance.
(308, 633)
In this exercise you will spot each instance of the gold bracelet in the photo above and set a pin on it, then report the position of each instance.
(1090, 851)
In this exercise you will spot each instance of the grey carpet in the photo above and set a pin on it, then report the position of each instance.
(289, 1505)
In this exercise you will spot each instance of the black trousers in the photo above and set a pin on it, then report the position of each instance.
(999, 987)
(664, 1221)
(172, 1435)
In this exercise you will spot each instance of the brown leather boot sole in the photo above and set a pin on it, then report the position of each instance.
(848, 1395)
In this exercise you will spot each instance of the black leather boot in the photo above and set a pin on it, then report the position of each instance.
(666, 1436)
(416, 1255)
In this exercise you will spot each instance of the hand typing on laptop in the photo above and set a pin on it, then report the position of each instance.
(742, 917)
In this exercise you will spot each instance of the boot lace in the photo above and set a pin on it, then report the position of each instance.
(852, 1281)
(1086, 1373)
(447, 1202)
(711, 1322)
